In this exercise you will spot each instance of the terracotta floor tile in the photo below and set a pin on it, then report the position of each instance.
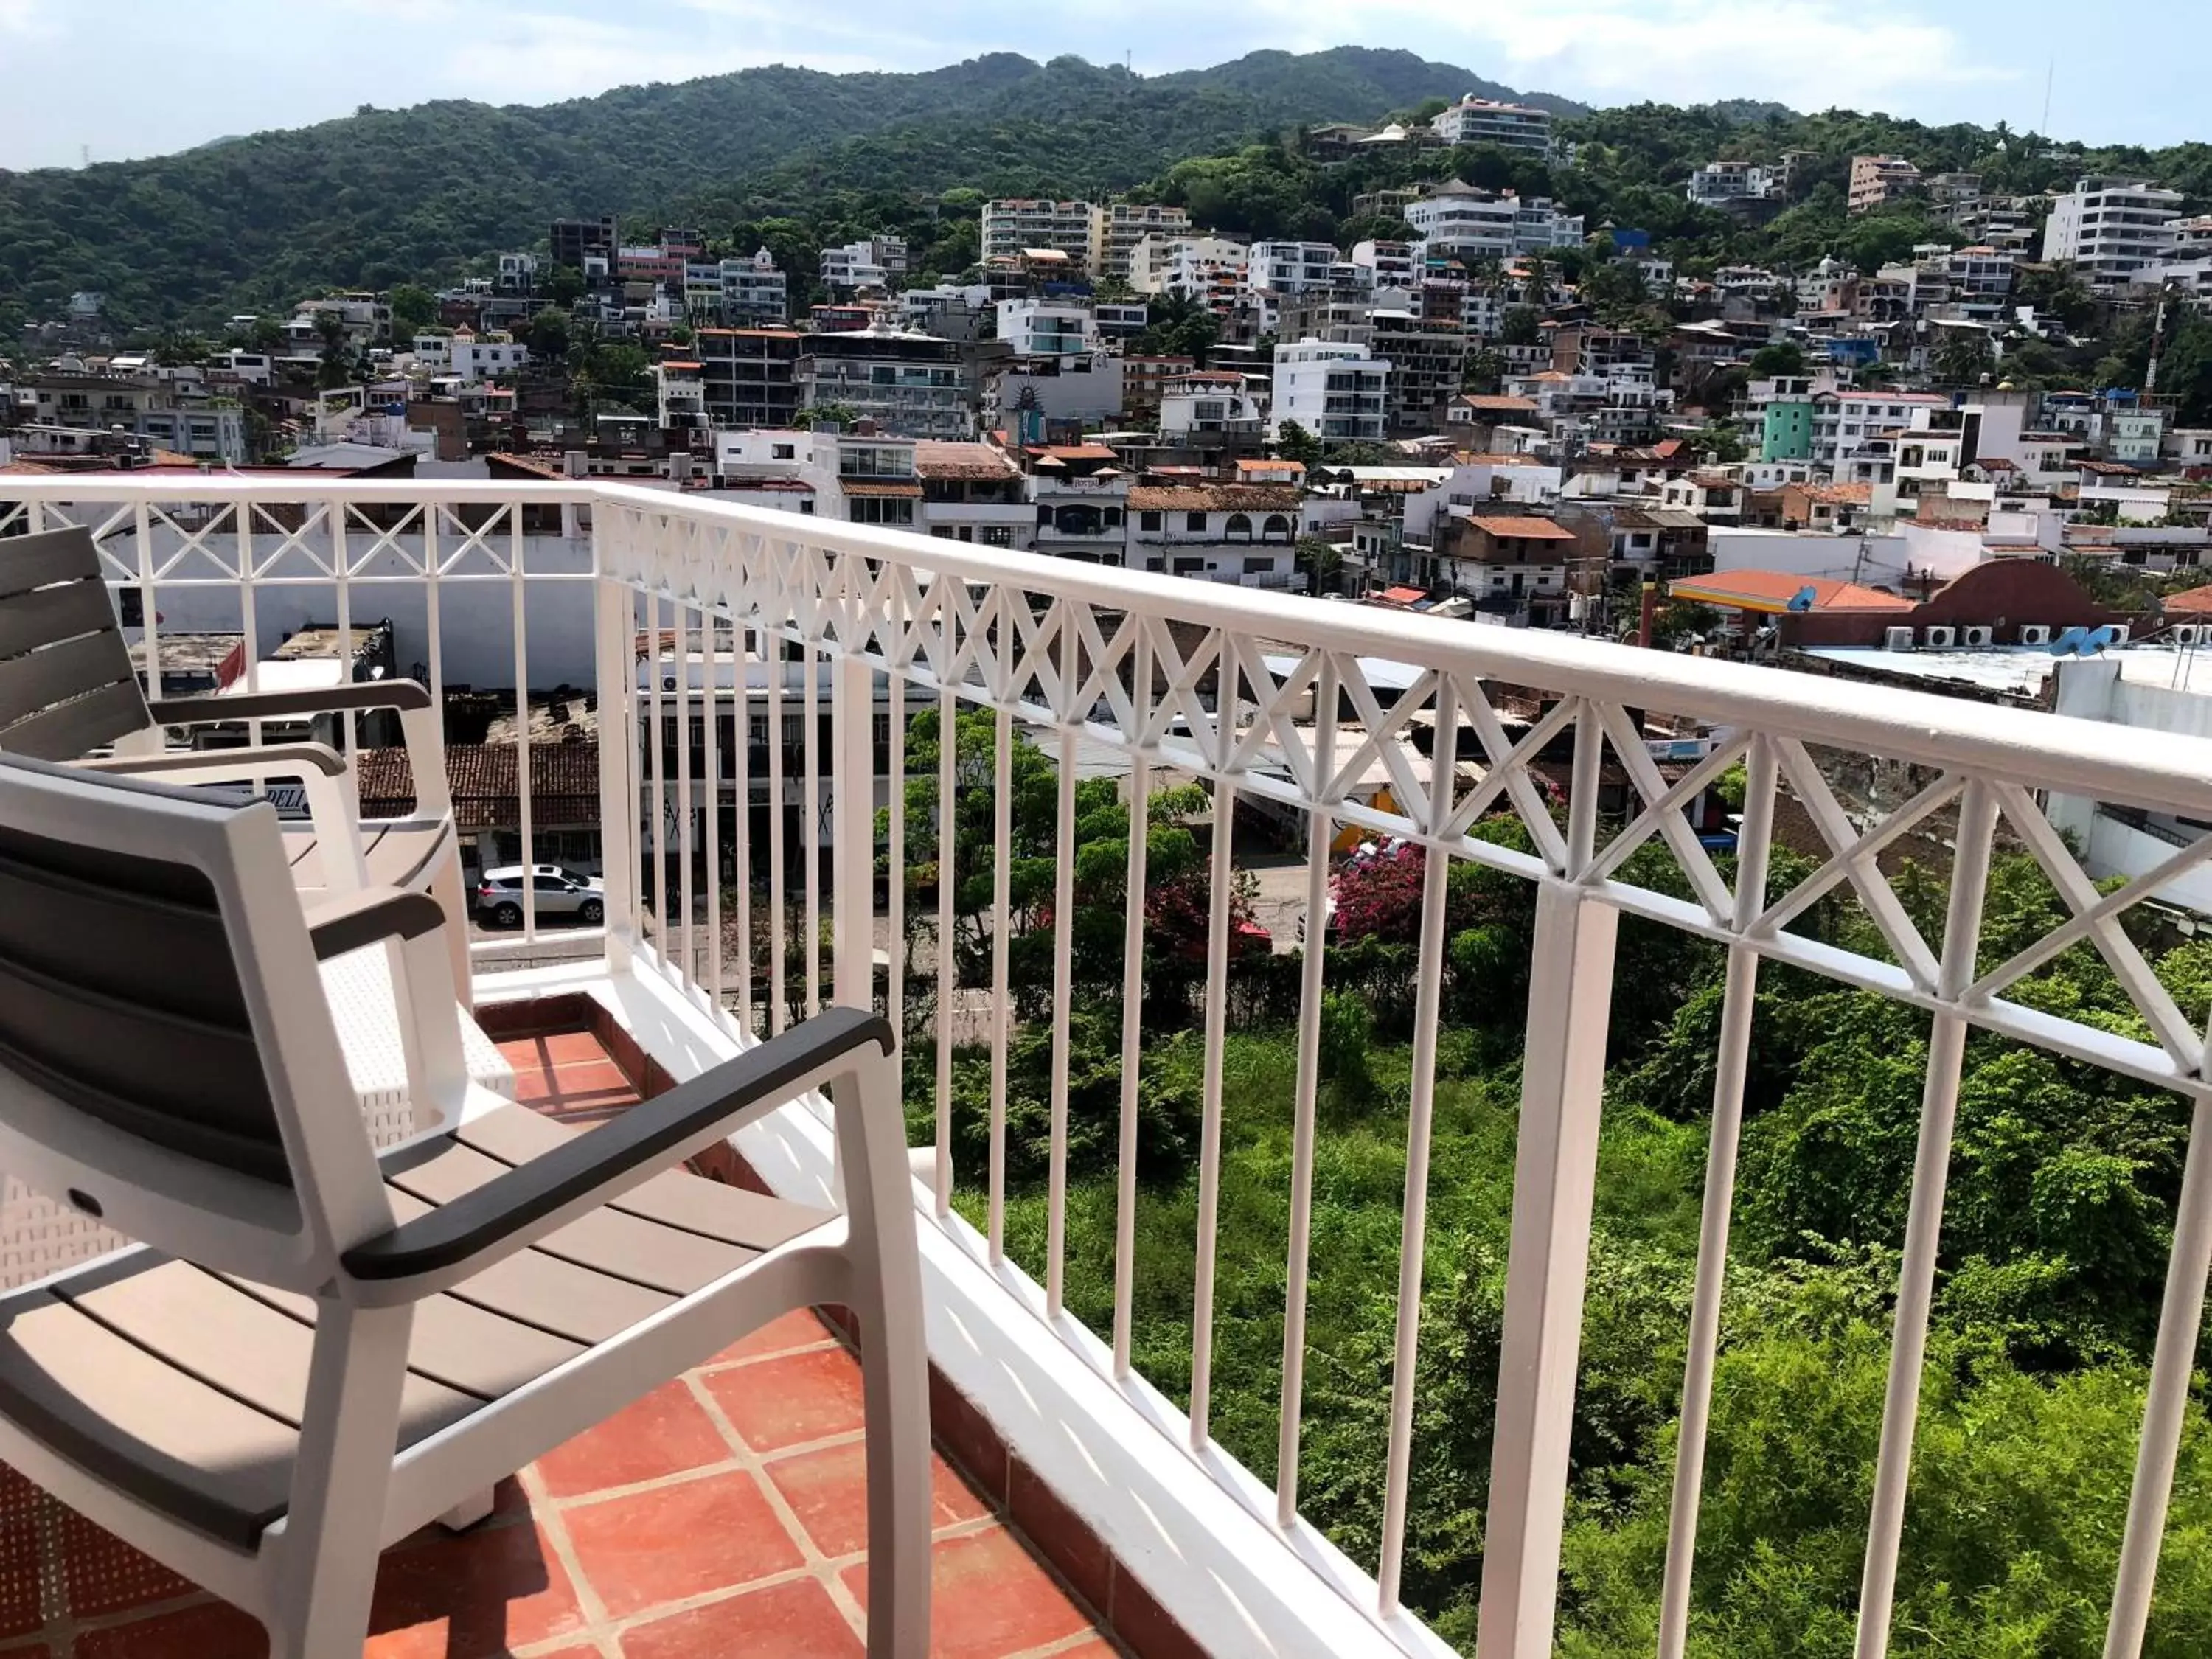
(103, 1574)
(828, 1490)
(713, 1533)
(799, 1329)
(794, 1620)
(598, 1077)
(787, 1401)
(213, 1629)
(987, 1598)
(472, 1596)
(554, 1048)
(665, 1433)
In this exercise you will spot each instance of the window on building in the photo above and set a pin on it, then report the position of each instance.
(1239, 527)
(1195, 523)
(784, 452)
(1148, 521)
(1278, 528)
(998, 535)
(1257, 563)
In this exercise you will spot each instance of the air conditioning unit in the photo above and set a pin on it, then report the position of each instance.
(1939, 639)
(1897, 639)
(668, 682)
(1975, 637)
(2034, 634)
(2185, 633)
(2120, 633)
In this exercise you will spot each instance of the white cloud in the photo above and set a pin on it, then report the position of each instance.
(1808, 53)
(25, 17)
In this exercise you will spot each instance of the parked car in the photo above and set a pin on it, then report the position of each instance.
(556, 892)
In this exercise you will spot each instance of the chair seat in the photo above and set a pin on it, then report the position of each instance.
(399, 851)
(185, 1388)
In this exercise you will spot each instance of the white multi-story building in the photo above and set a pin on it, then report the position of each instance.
(1333, 389)
(1475, 120)
(1242, 533)
(1460, 221)
(754, 292)
(473, 359)
(1013, 225)
(1047, 328)
(2112, 229)
(1117, 226)
(1293, 267)
(1718, 183)
(1209, 404)
(1391, 265)
(1163, 264)
(853, 267)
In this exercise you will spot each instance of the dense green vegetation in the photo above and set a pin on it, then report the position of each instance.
(422, 194)
(2063, 1185)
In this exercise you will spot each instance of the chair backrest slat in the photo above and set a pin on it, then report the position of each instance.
(167, 1056)
(118, 988)
(67, 682)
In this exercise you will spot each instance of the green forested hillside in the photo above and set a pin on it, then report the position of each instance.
(389, 196)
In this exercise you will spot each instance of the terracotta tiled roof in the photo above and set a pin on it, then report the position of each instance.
(1216, 498)
(1500, 405)
(877, 487)
(564, 783)
(1527, 527)
(1771, 590)
(934, 459)
(2195, 602)
(1297, 468)
(1836, 495)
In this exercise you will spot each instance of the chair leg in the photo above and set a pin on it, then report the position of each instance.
(469, 1510)
(446, 888)
(325, 1564)
(895, 1384)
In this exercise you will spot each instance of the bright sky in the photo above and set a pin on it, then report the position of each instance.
(138, 77)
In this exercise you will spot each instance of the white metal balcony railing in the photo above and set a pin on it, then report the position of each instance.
(1096, 661)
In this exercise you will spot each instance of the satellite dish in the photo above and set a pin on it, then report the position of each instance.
(2099, 640)
(1804, 599)
(2069, 643)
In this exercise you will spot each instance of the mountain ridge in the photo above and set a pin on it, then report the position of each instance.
(386, 196)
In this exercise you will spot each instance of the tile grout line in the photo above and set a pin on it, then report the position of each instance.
(555, 1530)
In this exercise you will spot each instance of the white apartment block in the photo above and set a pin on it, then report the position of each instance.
(1116, 227)
(1333, 389)
(1393, 264)
(2112, 229)
(853, 267)
(1047, 328)
(1190, 265)
(1879, 178)
(1462, 221)
(474, 359)
(1012, 225)
(1475, 120)
(753, 291)
(1719, 183)
(1293, 267)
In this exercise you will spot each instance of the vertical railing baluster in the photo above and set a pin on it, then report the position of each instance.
(778, 1015)
(1002, 853)
(710, 672)
(1739, 1000)
(655, 743)
(1924, 1222)
(744, 644)
(1133, 1001)
(1554, 1183)
(1063, 988)
(685, 834)
(948, 978)
(1319, 831)
(852, 829)
(521, 717)
(616, 617)
(1412, 1236)
(895, 855)
(1220, 920)
(2165, 1405)
(810, 663)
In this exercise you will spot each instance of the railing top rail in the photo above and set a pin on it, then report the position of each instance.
(2117, 763)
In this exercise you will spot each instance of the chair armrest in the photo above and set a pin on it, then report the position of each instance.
(216, 764)
(373, 914)
(286, 705)
(515, 1209)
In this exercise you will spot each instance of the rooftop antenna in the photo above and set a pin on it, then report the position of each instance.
(2049, 74)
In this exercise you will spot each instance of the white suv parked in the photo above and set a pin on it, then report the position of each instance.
(555, 892)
